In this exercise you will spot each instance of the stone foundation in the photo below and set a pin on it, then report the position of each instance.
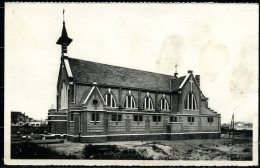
(144, 137)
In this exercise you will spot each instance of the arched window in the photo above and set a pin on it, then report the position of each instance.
(190, 102)
(64, 96)
(129, 102)
(163, 104)
(110, 100)
(147, 103)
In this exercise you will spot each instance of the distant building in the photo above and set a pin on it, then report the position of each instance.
(19, 119)
(35, 123)
(248, 126)
(243, 126)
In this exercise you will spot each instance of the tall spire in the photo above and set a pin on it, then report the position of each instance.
(64, 40)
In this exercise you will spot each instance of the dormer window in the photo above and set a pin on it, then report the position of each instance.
(163, 104)
(110, 100)
(129, 102)
(190, 102)
(147, 103)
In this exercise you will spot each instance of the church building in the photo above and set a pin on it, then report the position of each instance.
(99, 102)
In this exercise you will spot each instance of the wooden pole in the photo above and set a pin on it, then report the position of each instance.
(233, 128)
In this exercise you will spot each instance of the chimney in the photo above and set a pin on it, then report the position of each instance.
(197, 77)
(190, 71)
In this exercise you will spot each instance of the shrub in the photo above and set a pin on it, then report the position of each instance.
(247, 150)
(28, 150)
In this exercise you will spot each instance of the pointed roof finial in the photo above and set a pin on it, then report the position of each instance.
(64, 40)
(176, 73)
(63, 16)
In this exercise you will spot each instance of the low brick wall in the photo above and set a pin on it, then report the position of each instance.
(97, 139)
(137, 137)
(193, 136)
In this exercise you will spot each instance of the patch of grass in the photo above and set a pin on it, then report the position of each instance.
(111, 152)
(29, 150)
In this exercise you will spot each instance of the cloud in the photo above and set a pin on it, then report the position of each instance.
(213, 59)
(244, 74)
(171, 52)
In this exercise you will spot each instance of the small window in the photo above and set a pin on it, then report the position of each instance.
(173, 119)
(116, 117)
(119, 117)
(210, 120)
(138, 117)
(71, 117)
(135, 117)
(113, 118)
(95, 117)
(95, 102)
(190, 119)
(156, 118)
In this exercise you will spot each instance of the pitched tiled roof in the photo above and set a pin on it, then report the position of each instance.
(207, 111)
(89, 72)
(177, 82)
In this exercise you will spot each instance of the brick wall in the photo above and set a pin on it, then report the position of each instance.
(62, 78)
(81, 92)
(147, 125)
(206, 126)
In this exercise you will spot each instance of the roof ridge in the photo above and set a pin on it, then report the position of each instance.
(125, 67)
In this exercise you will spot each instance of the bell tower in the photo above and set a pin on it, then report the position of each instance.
(64, 40)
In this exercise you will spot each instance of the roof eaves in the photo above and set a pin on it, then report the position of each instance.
(67, 65)
(184, 81)
(89, 95)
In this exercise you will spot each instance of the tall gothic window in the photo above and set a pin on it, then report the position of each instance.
(129, 102)
(110, 100)
(147, 103)
(163, 104)
(190, 102)
(64, 96)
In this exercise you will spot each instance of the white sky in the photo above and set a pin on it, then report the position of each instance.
(219, 42)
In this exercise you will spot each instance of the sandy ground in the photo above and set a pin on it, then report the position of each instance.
(206, 149)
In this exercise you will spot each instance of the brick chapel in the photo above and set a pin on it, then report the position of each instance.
(100, 102)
